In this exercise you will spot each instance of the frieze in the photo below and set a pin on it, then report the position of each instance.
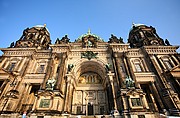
(18, 53)
(42, 55)
(134, 53)
(119, 47)
(161, 49)
(75, 53)
(60, 49)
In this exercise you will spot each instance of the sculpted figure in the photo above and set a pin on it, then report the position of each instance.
(129, 82)
(50, 83)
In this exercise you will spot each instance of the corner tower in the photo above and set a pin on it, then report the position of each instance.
(37, 36)
(142, 35)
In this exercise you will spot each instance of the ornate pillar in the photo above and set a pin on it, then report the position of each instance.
(113, 89)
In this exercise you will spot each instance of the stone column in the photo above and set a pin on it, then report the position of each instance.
(70, 96)
(175, 59)
(162, 63)
(113, 90)
(2, 63)
(48, 72)
(22, 64)
(119, 65)
(157, 97)
(61, 71)
(68, 81)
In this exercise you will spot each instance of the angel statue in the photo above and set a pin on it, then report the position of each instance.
(50, 83)
(129, 82)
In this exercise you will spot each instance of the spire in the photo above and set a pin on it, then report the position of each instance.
(133, 24)
(89, 31)
(44, 25)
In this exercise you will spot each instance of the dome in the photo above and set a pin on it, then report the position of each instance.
(89, 34)
(136, 25)
(39, 27)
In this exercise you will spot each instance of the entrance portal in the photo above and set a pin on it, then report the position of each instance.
(90, 109)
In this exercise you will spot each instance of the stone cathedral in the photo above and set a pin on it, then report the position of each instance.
(90, 77)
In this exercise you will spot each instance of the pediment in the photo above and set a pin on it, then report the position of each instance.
(133, 91)
(46, 93)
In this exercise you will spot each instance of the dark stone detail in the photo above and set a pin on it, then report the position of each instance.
(89, 41)
(11, 45)
(167, 42)
(70, 66)
(114, 39)
(108, 67)
(89, 55)
(142, 35)
(64, 40)
(35, 37)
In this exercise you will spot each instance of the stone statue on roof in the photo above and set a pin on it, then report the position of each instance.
(114, 39)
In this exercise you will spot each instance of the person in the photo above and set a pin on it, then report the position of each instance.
(24, 114)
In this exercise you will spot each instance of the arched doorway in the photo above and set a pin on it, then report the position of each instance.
(90, 94)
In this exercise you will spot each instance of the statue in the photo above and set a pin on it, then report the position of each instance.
(70, 66)
(114, 39)
(108, 67)
(64, 39)
(121, 40)
(11, 45)
(57, 41)
(167, 42)
(129, 82)
(50, 83)
(89, 55)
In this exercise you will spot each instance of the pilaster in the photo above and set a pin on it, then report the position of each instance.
(110, 75)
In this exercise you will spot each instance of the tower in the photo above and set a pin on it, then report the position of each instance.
(142, 35)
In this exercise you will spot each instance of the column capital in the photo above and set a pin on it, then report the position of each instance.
(110, 75)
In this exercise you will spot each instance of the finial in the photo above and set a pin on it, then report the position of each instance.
(89, 31)
(133, 24)
(44, 25)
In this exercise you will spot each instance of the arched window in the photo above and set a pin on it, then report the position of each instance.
(90, 78)
(167, 62)
(137, 65)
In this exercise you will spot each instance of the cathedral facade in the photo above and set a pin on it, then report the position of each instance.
(90, 77)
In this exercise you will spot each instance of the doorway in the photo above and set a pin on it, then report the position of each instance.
(90, 109)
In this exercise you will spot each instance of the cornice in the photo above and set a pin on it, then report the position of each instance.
(161, 49)
(118, 47)
(18, 51)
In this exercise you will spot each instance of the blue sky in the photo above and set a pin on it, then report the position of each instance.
(75, 17)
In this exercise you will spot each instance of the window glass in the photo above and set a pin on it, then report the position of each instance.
(167, 64)
(12, 66)
(41, 69)
(136, 102)
(78, 109)
(138, 67)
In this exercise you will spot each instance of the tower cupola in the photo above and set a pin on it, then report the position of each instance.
(35, 37)
(142, 35)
